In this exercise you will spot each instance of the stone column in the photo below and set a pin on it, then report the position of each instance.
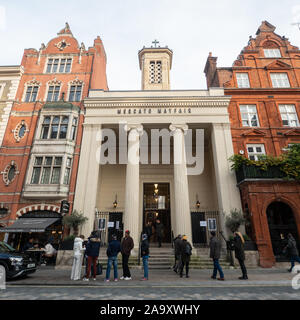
(181, 188)
(87, 176)
(228, 193)
(132, 214)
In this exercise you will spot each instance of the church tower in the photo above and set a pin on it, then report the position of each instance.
(155, 63)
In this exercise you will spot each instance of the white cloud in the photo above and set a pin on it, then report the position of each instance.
(296, 13)
(2, 19)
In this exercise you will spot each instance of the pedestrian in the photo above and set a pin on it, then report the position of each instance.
(148, 230)
(145, 255)
(240, 254)
(185, 256)
(114, 247)
(92, 252)
(78, 256)
(49, 251)
(126, 247)
(29, 244)
(215, 253)
(177, 245)
(292, 251)
(159, 228)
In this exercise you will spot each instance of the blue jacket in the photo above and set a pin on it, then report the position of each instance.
(114, 247)
(93, 247)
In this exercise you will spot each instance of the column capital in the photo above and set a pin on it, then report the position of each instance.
(182, 126)
(133, 126)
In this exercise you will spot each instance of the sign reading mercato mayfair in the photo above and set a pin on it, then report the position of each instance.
(154, 110)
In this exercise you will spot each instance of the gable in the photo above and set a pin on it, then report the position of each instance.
(293, 132)
(277, 65)
(253, 132)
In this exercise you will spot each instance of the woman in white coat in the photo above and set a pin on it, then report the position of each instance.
(78, 256)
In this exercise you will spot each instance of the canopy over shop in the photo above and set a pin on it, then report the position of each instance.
(39, 225)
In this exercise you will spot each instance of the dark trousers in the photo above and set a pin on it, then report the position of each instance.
(91, 260)
(159, 240)
(177, 263)
(243, 267)
(293, 259)
(126, 271)
(186, 263)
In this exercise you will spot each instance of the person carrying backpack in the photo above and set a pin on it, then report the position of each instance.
(92, 252)
(185, 254)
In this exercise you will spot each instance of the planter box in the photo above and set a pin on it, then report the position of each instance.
(253, 172)
(67, 245)
(249, 245)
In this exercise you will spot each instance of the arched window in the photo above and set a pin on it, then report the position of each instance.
(31, 91)
(271, 49)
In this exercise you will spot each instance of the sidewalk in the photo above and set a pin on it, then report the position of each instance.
(48, 276)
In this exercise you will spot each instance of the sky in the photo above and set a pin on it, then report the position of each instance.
(191, 28)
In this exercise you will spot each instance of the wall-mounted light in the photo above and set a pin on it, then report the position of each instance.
(197, 202)
(115, 203)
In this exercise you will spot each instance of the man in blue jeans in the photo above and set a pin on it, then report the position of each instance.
(114, 247)
(215, 253)
(145, 255)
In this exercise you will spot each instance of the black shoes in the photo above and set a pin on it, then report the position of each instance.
(213, 277)
(243, 278)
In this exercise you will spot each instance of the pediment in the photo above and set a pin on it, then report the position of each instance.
(253, 132)
(293, 132)
(278, 65)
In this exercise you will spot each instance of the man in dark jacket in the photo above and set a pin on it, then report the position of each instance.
(92, 252)
(292, 251)
(126, 247)
(177, 244)
(114, 247)
(145, 255)
(159, 229)
(185, 256)
(215, 253)
(240, 254)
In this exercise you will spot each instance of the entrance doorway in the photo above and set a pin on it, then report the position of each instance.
(156, 205)
(281, 222)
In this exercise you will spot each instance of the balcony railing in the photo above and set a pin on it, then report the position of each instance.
(253, 172)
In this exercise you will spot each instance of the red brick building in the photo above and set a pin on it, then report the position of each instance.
(41, 147)
(264, 83)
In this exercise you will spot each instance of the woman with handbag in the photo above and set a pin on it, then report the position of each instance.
(240, 254)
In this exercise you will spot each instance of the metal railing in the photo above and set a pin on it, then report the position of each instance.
(253, 172)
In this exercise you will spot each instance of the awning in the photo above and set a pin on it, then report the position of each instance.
(30, 225)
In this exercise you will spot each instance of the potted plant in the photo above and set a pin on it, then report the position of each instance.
(233, 223)
(68, 243)
(72, 221)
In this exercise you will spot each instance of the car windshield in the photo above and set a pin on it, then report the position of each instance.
(4, 247)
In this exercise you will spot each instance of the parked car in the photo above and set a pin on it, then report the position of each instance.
(16, 264)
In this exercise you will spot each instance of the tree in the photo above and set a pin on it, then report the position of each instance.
(234, 220)
(74, 220)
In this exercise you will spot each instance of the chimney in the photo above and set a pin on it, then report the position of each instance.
(210, 70)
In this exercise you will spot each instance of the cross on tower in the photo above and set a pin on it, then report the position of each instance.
(155, 42)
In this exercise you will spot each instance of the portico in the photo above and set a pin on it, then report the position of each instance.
(128, 118)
